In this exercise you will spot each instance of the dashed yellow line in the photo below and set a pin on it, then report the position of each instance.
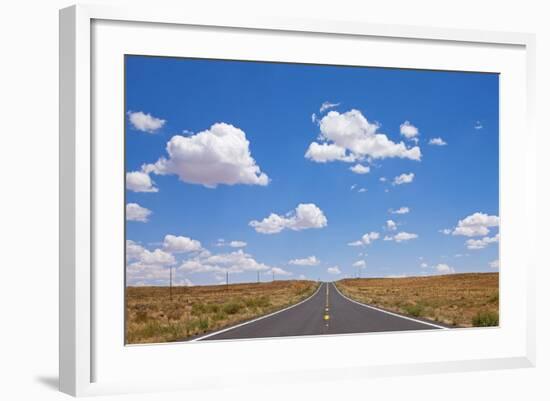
(326, 317)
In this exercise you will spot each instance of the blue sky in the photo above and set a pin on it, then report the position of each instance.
(240, 136)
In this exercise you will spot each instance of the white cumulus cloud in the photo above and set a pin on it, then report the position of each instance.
(327, 105)
(140, 275)
(360, 263)
(137, 253)
(401, 237)
(481, 243)
(185, 282)
(366, 239)
(494, 264)
(476, 225)
(133, 250)
(135, 212)
(334, 270)
(327, 152)
(408, 130)
(233, 262)
(309, 261)
(401, 210)
(156, 257)
(180, 244)
(145, 122)
(443, 268)
(350, 137)
(403, 179)
(219, 155)
(145, 267)
(277, 271)
(305, 216)
(232, 244)
(360, 169)
(437, 142)
(391, 225)
(138, 181)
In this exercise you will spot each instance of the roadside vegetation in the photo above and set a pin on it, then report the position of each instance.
(460, 300)
(152, 317)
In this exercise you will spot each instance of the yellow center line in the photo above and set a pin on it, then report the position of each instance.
(326, 316)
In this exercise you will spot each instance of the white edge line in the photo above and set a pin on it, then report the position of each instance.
(389, 313)
(258, 318)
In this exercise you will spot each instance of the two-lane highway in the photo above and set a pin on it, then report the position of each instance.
(327, 311)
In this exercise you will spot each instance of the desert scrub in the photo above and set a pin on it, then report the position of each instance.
(258, 302)
(233, 307)
(152, 316)
(141, 316)
(414, 310)
(485, 319)
(494, 298)
(156, 331)
(461, 300)
(203, 324)
(198, 309)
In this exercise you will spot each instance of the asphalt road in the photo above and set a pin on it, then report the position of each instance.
(327, 311)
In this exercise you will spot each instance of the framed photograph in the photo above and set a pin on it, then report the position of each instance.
(252, 190)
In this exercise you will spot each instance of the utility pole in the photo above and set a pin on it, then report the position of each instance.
(273, 275)
(227, 279)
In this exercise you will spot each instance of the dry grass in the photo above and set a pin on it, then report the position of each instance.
(151, 316)
(461, 300)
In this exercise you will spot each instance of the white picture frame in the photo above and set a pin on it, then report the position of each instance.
(79, 344)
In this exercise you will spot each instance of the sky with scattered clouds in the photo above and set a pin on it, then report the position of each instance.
(307, 171)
